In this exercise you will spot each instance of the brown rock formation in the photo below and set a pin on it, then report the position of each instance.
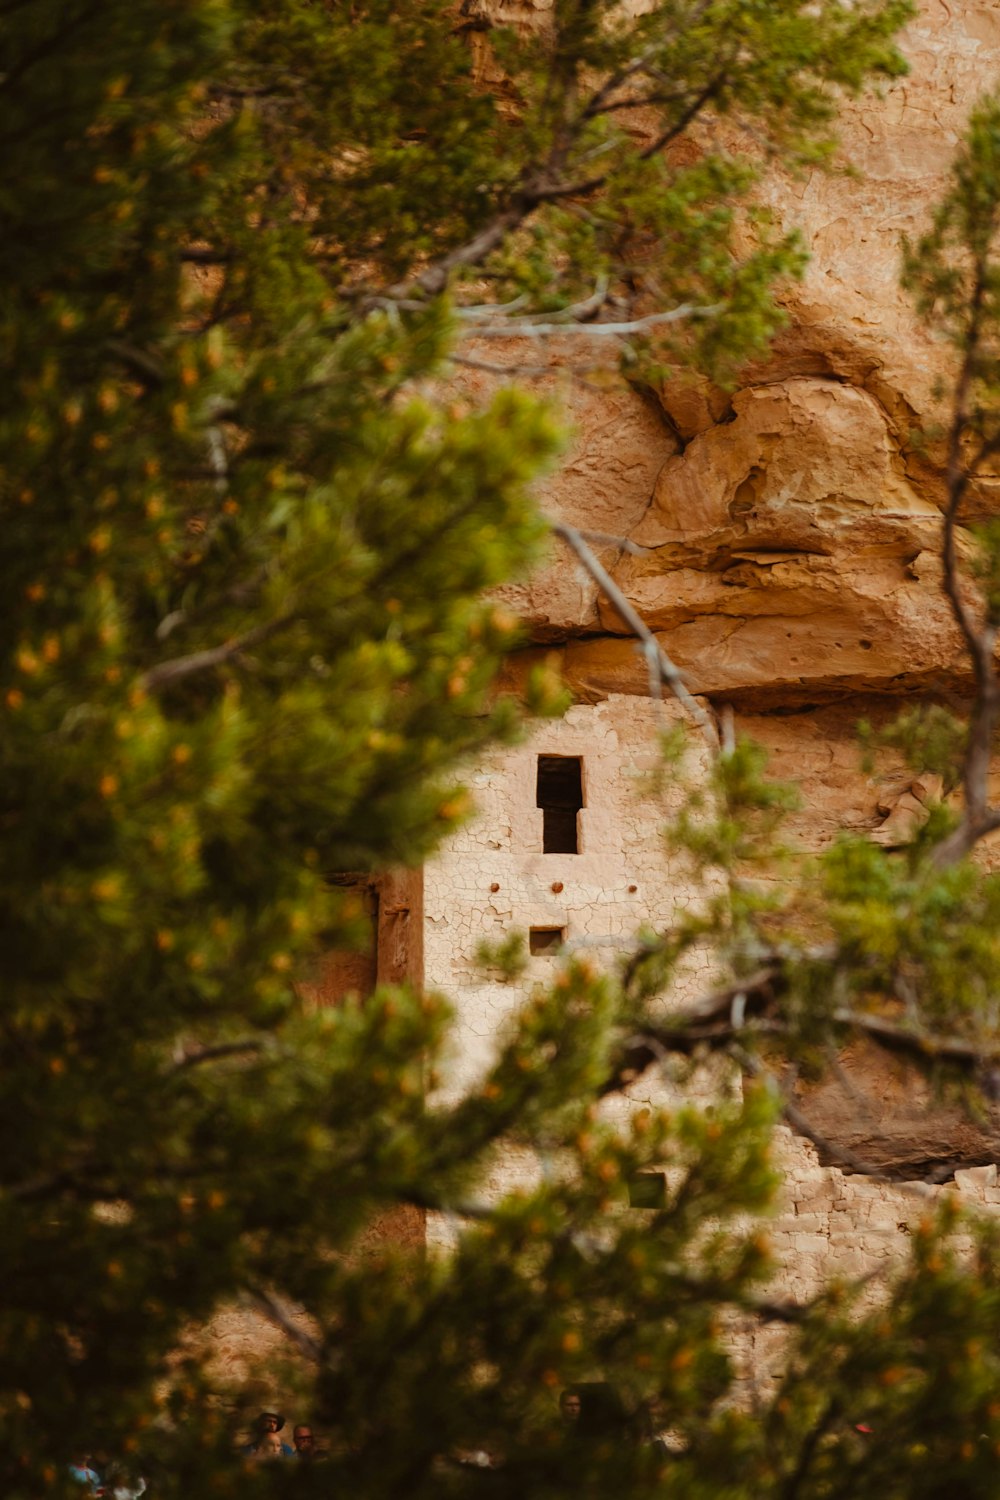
(619, 443)
(792, 530)
(789, 552)
(789, 539)
(876, 1111)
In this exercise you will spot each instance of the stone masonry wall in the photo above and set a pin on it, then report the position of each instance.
(492, 878)
(789, 536)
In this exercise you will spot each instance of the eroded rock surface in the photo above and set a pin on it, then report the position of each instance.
(788, 546)
(787, 550)
(791, 531)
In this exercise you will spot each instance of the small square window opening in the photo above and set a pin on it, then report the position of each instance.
(647, 1190)
(545, 942)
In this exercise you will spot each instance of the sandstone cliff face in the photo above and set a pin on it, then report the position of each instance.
(790, 529)
(784, 537)
(788, 553)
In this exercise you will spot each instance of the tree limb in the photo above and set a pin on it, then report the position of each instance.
(170, 672)
(245, 1046)
(529, 328)
(980, 635)
(575, 312)
(269, 1305)
(668, 671)
(752, 1007)
(544, 185)
(145, 366)
(921, 1045)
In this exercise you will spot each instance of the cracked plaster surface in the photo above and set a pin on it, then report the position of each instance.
(826, 1222)
(621, 879)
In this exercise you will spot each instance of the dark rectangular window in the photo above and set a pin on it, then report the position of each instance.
(545, 942)
(560, 796)
(647, 1190)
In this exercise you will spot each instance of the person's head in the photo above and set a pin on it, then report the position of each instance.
(305, 1442)
(267, 1446)
(268, 1421)
(569, 1404)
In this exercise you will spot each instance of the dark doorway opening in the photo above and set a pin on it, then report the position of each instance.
(560, 796)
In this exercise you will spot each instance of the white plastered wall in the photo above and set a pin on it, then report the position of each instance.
(492, 878)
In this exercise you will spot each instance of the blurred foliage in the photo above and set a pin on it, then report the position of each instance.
(930, 737)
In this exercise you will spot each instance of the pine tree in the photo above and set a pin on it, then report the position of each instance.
(245, 647)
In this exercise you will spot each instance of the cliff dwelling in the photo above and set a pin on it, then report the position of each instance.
(782, 540)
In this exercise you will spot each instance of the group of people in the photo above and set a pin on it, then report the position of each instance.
(595, 1411)
(593, 1408)
(267, 1442)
